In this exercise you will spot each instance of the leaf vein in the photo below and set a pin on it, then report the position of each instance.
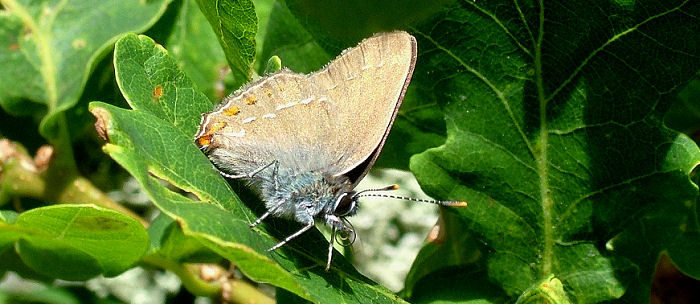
(499, 147)
(502, 26)
(486, 81)
(569, 210)
(613, 39)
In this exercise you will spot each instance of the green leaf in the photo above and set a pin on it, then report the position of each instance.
(334, 23)
(11, 261)
(438, 258)
(684, 114)
(168, 240)
(555, 138)
(419, 125)
(235, 24)
(187, 35)
(153, 77)
(457, 285)
(47, 49)
(273, 65)
(53, 240)
(287, 39)
(154, 142)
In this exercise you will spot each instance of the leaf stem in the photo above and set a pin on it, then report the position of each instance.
(22, 176)
(243, 292)
(63, 157)
(191, 282)
(230, 289)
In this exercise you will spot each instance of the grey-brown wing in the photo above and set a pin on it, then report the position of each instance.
(333, 120)
(281, 117)
(367, 84)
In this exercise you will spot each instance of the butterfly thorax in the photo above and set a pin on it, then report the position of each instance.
(303, 196)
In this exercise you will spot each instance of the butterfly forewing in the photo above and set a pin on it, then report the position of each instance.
(367, 84)
(277, 118)
(331, 120)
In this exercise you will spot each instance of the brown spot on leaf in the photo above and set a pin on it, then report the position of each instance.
(100, 223)
(103, 118)
(157, 93)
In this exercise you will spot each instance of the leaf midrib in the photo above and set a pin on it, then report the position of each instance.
(541, 158)
(540, 155)
(543, 99)
(48, 65)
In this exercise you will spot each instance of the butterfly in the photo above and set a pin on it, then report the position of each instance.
(305, 141)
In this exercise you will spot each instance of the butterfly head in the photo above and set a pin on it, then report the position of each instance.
(345, 205)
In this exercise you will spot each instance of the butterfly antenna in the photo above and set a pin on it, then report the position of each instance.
(364, 193)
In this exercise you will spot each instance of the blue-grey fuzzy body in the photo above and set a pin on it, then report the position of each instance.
(302, 196)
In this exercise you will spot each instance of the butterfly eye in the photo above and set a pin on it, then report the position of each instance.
(345, 205)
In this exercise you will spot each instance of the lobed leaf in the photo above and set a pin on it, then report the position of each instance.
(154, 142)
(555, 138)
(47, 49)
(553, 134)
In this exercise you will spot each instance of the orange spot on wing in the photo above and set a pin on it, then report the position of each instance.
(268, 93)
(251, 100)
(204, 140)
(231, 111)
(216, 127)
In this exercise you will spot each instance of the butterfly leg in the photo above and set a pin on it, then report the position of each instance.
(250, 174)
(274, 175)
(276, 185)
(330, 248)
(260, 219)
(338, 225)
(266, 214)
(291, 237)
